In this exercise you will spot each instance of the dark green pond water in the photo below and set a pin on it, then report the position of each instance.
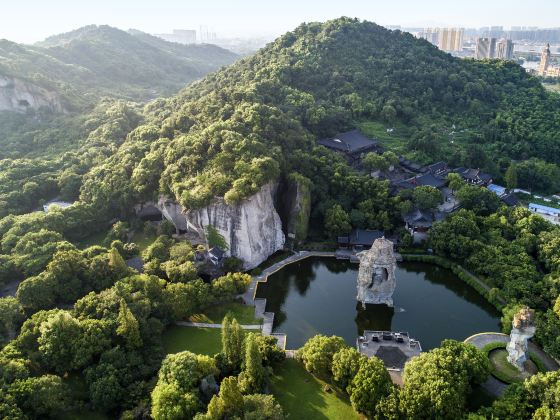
(318, 295)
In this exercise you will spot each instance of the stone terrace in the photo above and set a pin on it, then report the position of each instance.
(394, 348)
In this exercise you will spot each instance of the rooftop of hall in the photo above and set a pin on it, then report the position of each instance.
(350, 142)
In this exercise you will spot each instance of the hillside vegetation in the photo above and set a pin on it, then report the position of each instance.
(227, 135)
(101, 60)
(247, 124)
(91, 72)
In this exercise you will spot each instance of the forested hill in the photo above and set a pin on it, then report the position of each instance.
(101, 60)
(240, 127)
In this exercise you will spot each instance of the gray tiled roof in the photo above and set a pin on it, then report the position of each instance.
(349, 142)
(428, 179)
(419, 218)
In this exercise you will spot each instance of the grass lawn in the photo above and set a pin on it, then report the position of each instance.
(502, 369)
(142, 240)
(198, 340)
(396, 140)
(552, 87)
(245, 314)
(301, 395)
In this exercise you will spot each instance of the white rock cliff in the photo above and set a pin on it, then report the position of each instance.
(19, 96)
(252, 228)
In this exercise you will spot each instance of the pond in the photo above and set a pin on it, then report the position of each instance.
(318, 296)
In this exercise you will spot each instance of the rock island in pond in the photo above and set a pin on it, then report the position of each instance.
(376, 276)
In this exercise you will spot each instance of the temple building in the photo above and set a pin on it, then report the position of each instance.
(352, 143)
(474, 176)
(359, 239)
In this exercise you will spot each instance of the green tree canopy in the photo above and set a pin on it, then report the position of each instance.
(337, 221)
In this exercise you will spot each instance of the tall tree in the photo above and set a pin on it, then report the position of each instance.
(228, 404)
(169, 402)
(317, 353)
(11, 318)
(117, 263)
(232, 342)
(456, 181)
(58, 340)
(215, 238)
(511, 176)
(128, 327)
(437, 383)
(427, 197)
(345, 365)
(253, 375)
(337, 221)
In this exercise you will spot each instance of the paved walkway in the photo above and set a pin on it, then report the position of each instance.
(482, 339)
(207, 325)
(260, 304)
(493, 385)
(249, 295)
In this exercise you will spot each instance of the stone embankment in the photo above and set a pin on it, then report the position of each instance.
(260, 304)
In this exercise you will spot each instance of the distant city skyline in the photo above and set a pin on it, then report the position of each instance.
(34, 20)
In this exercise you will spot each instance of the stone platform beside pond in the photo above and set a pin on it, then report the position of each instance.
(393, 348)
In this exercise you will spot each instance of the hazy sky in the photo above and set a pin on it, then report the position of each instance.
(33, 20)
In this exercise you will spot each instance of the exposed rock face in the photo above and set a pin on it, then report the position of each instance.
(294, 202)
(376, 276)
(252, 228)
(523, 329)
(19, 96)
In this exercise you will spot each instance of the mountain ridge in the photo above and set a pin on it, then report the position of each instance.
(323, 78)
(101, 60)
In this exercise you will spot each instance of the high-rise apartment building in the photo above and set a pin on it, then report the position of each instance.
(485, 48)
(451, 39)
(446, 39)
(431, 35)
(504, 49)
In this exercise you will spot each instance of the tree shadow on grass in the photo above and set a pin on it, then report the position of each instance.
(303, 396)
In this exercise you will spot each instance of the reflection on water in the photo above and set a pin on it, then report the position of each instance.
(319, 296)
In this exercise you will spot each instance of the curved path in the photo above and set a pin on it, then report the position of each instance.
(493, 385)
(207, 325)
(260, 304)
(482, 339)
(249, 295)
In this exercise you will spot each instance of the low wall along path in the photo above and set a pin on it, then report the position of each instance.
(260, 304)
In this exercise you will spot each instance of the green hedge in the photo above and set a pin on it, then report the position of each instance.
(538, 362)
(492, 295)
(501, 345)
(496, 373)
(493, 346)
